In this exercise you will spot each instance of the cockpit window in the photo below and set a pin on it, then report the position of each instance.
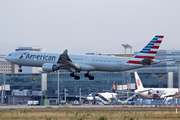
(9, 55)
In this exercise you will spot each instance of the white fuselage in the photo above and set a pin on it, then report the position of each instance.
(167, 92)
(107, 95)
(97, 62)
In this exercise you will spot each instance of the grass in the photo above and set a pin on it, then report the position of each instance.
(86, 115)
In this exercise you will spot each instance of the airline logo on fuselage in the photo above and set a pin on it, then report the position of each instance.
(41, 57)
(22, 55)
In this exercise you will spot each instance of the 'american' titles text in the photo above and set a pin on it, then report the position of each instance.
(41, 57)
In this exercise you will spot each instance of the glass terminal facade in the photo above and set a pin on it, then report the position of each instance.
(22, 82)
(102, 83)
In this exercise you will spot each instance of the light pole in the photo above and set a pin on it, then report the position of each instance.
(79, 95)
(2, 96)
(65, 95)
(3, 89)
(58, 87)
(130, 47)
(178, 62)
(127, 46)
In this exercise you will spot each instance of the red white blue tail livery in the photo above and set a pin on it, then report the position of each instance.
(147, 54)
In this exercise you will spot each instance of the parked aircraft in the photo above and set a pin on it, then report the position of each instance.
(153, 93)
(103, 97)
(75, 63)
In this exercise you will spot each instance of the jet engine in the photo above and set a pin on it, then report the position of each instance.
(49, 67)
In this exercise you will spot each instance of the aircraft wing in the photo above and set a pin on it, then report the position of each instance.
(66, 62)
(86, 67)
(83, 97)
(170, 95)
(143, 90)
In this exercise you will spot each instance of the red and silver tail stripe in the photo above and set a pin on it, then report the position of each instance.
(149, 51)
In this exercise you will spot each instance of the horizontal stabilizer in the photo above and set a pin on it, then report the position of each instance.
(167, 60)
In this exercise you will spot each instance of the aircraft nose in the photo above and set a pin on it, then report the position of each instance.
(87, 98)
(7, 58)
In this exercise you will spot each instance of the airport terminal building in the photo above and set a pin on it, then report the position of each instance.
(36, 86)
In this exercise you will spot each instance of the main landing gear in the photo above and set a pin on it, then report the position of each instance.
(89, 75)
(73, 74)
(20, 70)
(76, 77)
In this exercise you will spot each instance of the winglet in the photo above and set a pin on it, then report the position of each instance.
(64, 56)
(65, 52)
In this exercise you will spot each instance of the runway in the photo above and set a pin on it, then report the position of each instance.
(62, 106)
(91, 107)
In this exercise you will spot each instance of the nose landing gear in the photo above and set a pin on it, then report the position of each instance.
(20, 70)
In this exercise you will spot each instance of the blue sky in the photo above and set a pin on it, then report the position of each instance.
(83, 26)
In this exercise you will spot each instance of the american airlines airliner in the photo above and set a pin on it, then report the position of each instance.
(75, 63)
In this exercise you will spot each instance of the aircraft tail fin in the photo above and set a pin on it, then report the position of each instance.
(147, 54)
(138, 81)
(113, 89)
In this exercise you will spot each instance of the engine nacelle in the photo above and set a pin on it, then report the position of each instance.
(49, 67)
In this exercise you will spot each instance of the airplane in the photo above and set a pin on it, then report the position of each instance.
(76, 63)
(104, 97)
(153, 93)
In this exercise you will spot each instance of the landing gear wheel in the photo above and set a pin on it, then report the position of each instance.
(87, 74)
(76, 77)
(72, 74)
(91, 77)
(20, 70)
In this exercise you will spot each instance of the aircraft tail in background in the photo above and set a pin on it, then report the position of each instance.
(138, 81)
(147, 54)
(113, 89)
